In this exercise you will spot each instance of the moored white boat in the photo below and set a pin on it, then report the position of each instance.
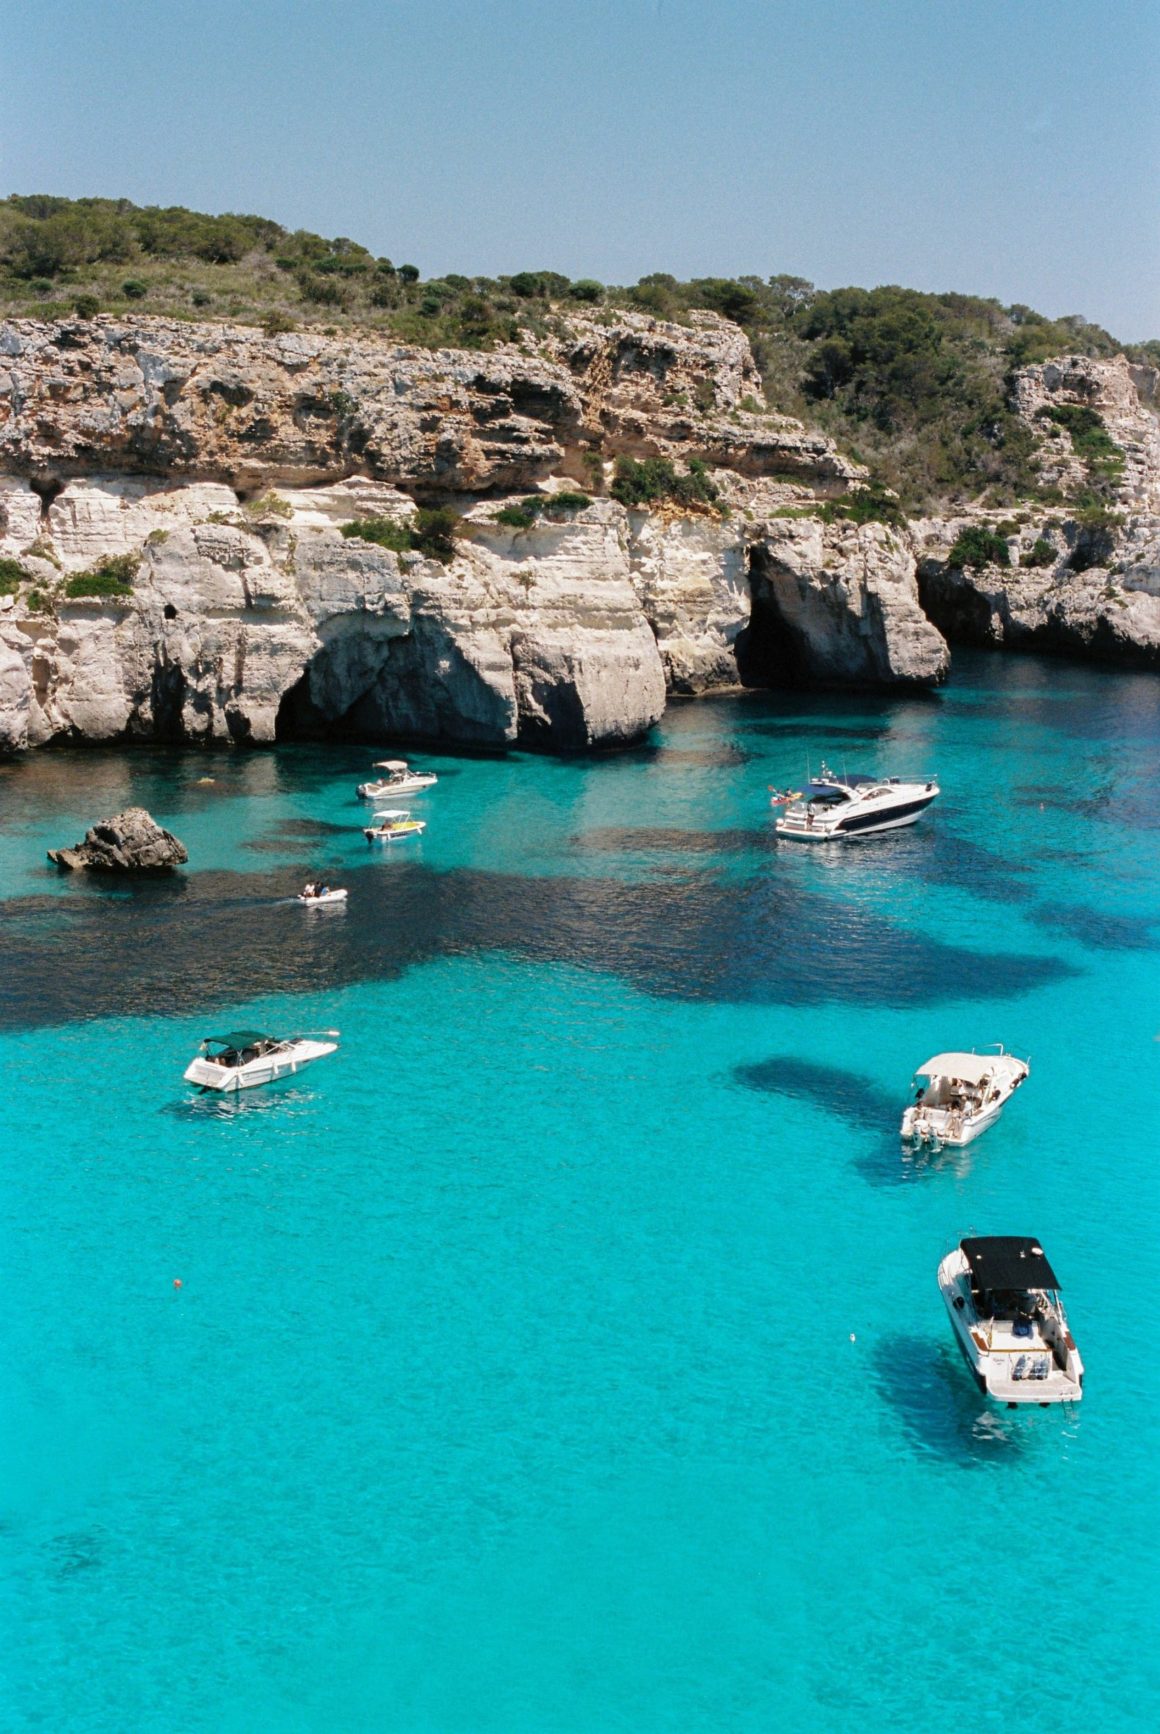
(399, 780)
(960, 1095)
(314, 896)
(1003, 1299)
(242, 1059)
(835, 809)
(392, 826)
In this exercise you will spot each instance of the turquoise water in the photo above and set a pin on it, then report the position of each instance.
(565, 1353)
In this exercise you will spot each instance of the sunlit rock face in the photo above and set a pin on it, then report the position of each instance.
(211, 470)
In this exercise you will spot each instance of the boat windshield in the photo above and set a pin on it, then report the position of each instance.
(825, 795)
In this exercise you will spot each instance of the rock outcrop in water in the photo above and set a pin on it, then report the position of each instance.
(130, 842)
(204, 475)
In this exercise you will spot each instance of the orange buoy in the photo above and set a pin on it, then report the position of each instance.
(177, 1282)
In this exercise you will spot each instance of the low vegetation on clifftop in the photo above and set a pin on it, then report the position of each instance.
(915, 385)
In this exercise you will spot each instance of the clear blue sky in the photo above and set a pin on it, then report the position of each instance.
(1000, 147)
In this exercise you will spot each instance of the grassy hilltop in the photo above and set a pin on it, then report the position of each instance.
(915, 385)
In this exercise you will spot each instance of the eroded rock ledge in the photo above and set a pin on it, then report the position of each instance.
(223, 464)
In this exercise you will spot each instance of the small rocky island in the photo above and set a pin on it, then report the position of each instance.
(130, 842)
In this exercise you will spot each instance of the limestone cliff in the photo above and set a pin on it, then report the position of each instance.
(1076, 581)
(219, 467)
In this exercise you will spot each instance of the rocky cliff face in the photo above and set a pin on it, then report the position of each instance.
(223, 465)
(1077, 582)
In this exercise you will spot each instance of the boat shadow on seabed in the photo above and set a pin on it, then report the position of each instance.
(930, 1390)
(882, 1158)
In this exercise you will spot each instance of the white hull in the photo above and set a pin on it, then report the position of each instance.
(387, 790)
(1041, 1366)
(317, 902)
(381, 834)
(945, 1126)
(839, 809)
(800, 832)
(266, 1069)
(963, 1096)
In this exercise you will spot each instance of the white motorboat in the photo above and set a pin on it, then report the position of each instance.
(400, 779)
(833, 809)
(315, 896)
(1009, 1322)
(392, 825)
(960, 1095)
(244, 1058)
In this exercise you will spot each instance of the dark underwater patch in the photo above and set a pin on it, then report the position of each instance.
(793, 728)
(669, 839)
(1101, 932)
(941, 857)
(281, 838)
(217, 938)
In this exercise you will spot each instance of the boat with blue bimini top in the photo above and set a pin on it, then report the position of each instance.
(243, 1059)
(1003, 1299)
(834, 809)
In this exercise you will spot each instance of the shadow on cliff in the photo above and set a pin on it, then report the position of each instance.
(219, 938)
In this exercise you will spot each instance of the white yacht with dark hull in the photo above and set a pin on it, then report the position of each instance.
(834, 809)
(960, 1095)
(1009, 1322)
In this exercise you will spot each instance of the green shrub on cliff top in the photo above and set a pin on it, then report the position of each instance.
(653, 479)
(869, 505)
(1041, 553)
(534, 506)
(112, 576)
(432, 533)
(383, 532)
(979, 546)
(12, 576)
(1090, 438)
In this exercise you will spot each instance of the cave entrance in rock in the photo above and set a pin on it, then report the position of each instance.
(769, 650)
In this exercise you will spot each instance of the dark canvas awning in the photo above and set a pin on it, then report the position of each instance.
(1007, 1261)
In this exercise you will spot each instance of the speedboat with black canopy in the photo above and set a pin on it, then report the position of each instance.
(1003, 1299)
(959, 1095)
(835, 809)
(244, 1058)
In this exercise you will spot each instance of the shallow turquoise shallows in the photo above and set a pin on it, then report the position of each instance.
(565, 1353)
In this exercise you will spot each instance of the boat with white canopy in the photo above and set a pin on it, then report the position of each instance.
(242, 1059)
(959, 1095)
(1004, 1303)
(834, 809)
(400, 779)
(392, 826)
